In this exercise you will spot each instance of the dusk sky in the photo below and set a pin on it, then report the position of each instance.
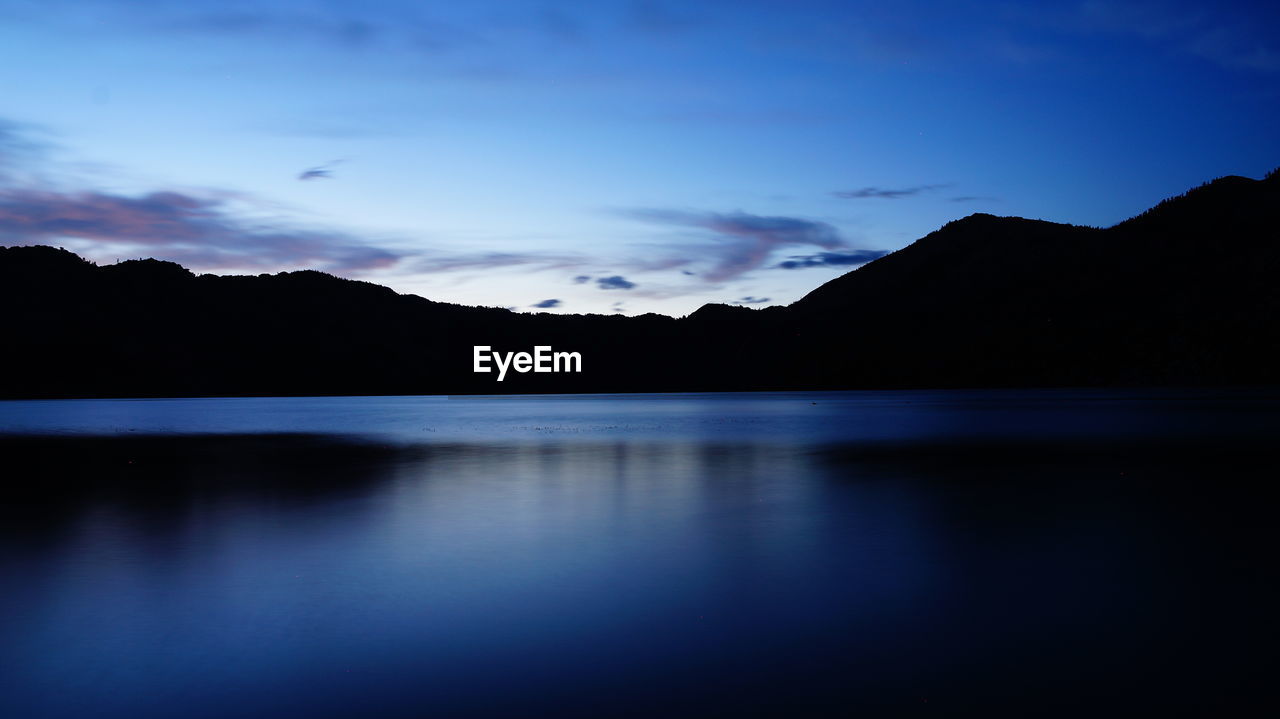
(610, 156)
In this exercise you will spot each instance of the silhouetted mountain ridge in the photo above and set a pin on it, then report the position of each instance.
(1183, 293)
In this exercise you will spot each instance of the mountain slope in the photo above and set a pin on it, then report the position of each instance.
(1184, 293)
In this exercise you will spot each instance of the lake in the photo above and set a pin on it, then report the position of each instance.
(1016, 553)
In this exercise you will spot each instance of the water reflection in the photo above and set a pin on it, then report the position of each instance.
(317, 575)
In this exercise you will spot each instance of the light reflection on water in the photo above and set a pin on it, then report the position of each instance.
(553, 565)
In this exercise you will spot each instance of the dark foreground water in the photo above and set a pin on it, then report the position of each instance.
(791, 555)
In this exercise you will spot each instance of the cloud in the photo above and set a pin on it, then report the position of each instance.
(560, 25)
(209, 230)
(886, 193)
(652, 16)
(201, 232)
(546, 304)
(975, 198)
(321, 172)
(749, 300)
(16, 142)
(20, 151)
(831, 259)
(346, 30)
(581, 279)
(206, 230)
(616, 282)
(744, 242)
(355, 28)
(1235, 36)
(432, 263)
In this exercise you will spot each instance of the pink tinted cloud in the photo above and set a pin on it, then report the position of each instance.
(201, 232)
(744, 242)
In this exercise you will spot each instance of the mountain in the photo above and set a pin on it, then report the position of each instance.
(1182, 294)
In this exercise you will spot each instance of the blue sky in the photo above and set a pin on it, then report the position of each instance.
(615, 156)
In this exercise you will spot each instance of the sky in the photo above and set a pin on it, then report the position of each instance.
(616, 156)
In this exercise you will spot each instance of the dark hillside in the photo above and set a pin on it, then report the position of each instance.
(1184, 293)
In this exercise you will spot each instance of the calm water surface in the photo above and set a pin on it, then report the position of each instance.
(837, 554)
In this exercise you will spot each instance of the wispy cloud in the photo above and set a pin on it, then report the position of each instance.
(16, 142)
(831, 259)
(209, 230)
(41, 202)
(740, 242)
(546, 304)
(887, 193)
(346, 29)
(320, 172)
(749, 300)
(1236, 36)
(22, 148)
(444, 261)
(355, 27)
(653, 16)
(975, 198)
(197, 231)
(1234, 50)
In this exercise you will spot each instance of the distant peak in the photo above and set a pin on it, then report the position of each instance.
(309, 275)
(150, 266)
(149, 262)
(44, 253)
(718, 311)
(980, 222)
(976, 219)
(1210, 199)
(1227, 181)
